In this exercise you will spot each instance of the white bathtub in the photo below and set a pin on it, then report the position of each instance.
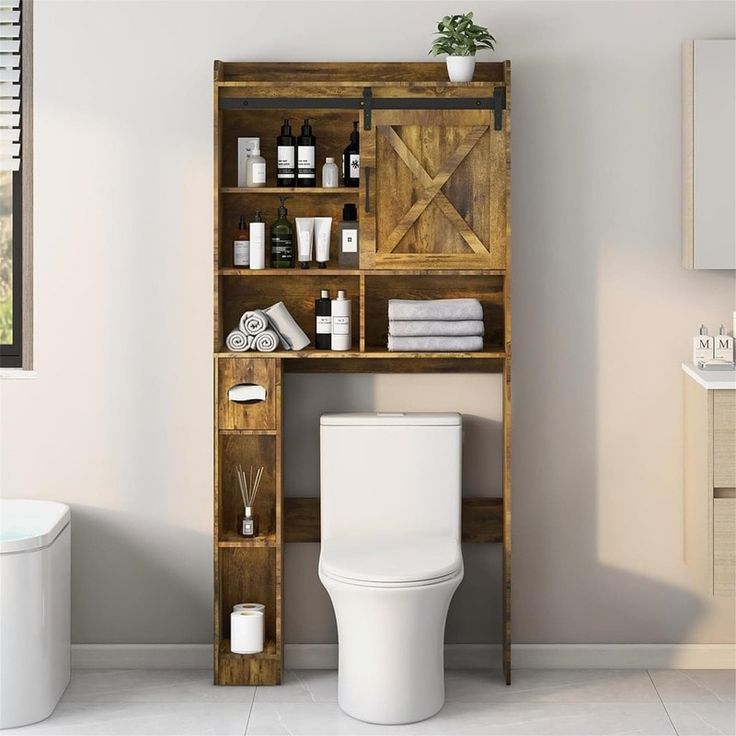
(35, 616)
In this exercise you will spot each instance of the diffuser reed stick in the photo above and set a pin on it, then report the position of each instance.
(249, 484)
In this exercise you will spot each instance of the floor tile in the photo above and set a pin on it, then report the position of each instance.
(141, 719)
(151, 686)
(302, 686)
(695, 686)
(471, 719)
(551, 686)
(702, 719)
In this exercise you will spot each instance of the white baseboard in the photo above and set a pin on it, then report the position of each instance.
(457, 656)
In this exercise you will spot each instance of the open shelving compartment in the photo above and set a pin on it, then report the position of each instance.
(433, 206)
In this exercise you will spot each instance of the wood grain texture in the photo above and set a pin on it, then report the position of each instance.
(234, 371)
(383, 287)
(698, 480)
(359, 73)
(724, 439)
(481, 520)
(438, 196)
(724, 546)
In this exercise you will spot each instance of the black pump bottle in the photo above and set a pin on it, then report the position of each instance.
(306, 145)
(286, 157)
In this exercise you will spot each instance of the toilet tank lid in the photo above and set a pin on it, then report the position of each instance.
(393, 418)
(27, 525)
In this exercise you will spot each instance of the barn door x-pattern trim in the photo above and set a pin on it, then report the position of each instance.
(432, 188)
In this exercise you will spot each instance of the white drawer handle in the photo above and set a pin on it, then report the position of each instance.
(246, 393)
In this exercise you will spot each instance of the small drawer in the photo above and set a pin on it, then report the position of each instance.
(724, 546)
(724, 439)
(256, 406)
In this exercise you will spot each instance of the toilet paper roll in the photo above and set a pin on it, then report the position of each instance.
(249, 607)
(246, 632)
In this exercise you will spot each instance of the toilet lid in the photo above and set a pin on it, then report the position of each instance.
(391, 560)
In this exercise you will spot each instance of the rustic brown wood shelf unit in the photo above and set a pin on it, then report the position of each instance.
(433, 217)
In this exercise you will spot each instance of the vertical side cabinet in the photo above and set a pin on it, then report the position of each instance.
(710, 483)
(709, 181)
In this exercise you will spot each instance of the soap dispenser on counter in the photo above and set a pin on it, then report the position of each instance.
(724, 346)
(703, 346)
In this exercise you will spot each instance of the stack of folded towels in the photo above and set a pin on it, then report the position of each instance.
(265, 330)
(435, 325)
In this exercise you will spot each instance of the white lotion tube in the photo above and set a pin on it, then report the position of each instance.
(246, 632)
(322, 234)
(304, 238)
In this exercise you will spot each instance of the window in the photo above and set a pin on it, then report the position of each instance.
(15, 174)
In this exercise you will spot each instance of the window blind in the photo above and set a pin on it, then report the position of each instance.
(10, 85)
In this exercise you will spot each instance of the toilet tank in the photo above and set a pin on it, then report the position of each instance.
(390, 473)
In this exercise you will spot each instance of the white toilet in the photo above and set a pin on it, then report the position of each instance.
(390, 556)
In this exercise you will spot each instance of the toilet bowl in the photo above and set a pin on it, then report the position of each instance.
(390, 557)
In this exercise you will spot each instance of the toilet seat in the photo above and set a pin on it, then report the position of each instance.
(391, 562)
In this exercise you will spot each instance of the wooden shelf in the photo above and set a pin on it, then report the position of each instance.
(306, 191)
(313, 271)
(303, 272)
(231, 539)
(369, 354)
(270, 651)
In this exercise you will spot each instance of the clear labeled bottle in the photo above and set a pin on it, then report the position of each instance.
(282, 239)
(306, 150)
(286, 157)
(255, 169)
(257, 242)
(241, 245)
(348, 253)
(323, 321)
(703, 346)
(351, 159)
(341, 327)
(330, 178)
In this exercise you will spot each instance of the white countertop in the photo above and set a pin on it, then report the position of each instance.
(711, 379)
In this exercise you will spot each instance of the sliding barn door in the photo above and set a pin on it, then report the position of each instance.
(434, 190)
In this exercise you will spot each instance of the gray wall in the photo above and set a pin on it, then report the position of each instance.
(118, 421)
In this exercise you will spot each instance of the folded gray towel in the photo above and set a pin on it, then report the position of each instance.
(292, 336)
(238, 342)
(435, 328)
(434, 309)
(468, 344)
(253, 322)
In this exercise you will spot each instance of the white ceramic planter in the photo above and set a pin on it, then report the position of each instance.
(460, 68)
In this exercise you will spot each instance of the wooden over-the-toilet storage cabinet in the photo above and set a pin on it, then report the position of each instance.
(433, 214)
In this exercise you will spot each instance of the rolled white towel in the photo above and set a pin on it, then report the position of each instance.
(253, 322)
(238, 342)
(286, 326)
(266, 341)
(435, 309)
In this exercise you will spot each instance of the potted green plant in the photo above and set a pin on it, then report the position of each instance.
(460, 39)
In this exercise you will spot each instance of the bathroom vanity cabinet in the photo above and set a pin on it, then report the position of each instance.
(433, 218)
(710, 478)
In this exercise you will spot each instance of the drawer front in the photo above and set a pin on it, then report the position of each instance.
(724, 546)
(724, 439)
(251, 414)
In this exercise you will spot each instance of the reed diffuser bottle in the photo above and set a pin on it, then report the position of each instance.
(249, 484)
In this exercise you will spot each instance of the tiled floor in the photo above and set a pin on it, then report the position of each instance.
(540, 702)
